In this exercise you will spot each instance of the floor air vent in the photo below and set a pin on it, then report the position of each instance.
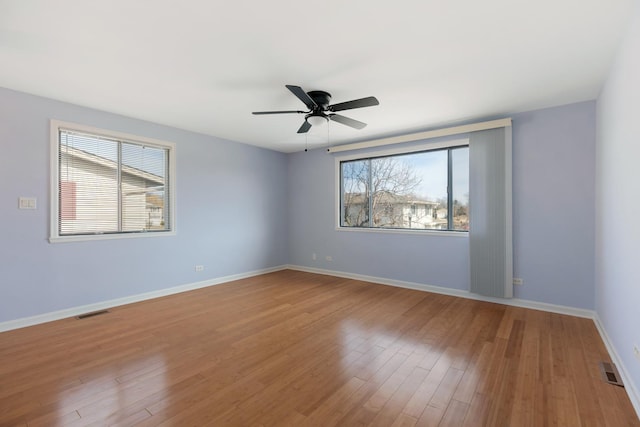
(610, 373)
(93, 313)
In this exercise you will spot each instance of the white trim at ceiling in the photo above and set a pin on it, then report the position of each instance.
(436, 133)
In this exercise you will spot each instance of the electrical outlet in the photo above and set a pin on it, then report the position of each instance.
(314, 256)
(636, 351)
(329, 258)
(199, 267)
(518, 281)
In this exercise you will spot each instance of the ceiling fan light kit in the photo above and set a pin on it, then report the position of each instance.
(320, 111)
(316, 120)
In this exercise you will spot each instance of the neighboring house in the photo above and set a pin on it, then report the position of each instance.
(89, 195)
(392, 211)
(155, 211)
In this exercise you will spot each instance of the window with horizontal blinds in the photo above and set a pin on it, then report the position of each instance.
(111, 185)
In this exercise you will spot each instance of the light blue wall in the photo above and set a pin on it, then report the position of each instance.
(553, 186)
(231, 215)
(553, 200)
(242, 209)
(427, 259)
(617, 253)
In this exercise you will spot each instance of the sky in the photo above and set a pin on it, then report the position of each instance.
(432, 167)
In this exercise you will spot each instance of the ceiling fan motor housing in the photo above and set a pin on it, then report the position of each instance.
(321, 98)
(320, 110)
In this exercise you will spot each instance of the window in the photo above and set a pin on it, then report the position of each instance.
(107, 185)
(420, 190)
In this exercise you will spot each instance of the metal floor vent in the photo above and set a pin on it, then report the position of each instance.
(610, 374)
(93, 313)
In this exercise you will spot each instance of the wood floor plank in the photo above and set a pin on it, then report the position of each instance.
(420, 399)
(392, 409)
(455, 414)
(435, 410)
(404, 420)
(328, 414)
(303, 349)
(360, 414)
(478, 411)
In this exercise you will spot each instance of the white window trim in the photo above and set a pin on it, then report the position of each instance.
(391, 152)
(430, 134)
(54, 235)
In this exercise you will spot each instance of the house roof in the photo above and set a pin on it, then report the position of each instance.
(103, 161)
(389, 198)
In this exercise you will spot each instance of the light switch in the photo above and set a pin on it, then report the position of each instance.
(27, 203)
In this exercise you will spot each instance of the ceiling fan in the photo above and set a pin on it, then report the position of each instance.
(317, 101)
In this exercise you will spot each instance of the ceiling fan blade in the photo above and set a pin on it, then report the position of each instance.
(278, 112)
(347, 121)
(302, 96)
(305, 127)
(356, 103)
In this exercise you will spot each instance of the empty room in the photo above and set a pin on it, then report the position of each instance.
(349, 213)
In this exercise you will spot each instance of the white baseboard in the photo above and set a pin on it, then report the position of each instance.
(75, 311)
(535, 305)
(629, 386)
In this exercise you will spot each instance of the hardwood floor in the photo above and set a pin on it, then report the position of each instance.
(299, 349)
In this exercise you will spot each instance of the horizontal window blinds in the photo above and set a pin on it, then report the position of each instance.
(107, 185)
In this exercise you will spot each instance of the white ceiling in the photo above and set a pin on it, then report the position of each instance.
(206, 65)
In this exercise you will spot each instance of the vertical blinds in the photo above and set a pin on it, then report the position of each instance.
(490, 229)
(108, 185)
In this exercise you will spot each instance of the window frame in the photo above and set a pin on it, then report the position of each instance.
(395, 151)
(54, 231)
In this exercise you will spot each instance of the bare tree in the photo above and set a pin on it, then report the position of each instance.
(461, 213)
(374, 187)
(355, 193)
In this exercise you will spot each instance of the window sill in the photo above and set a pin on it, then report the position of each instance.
(401, 231)
(94, 237)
